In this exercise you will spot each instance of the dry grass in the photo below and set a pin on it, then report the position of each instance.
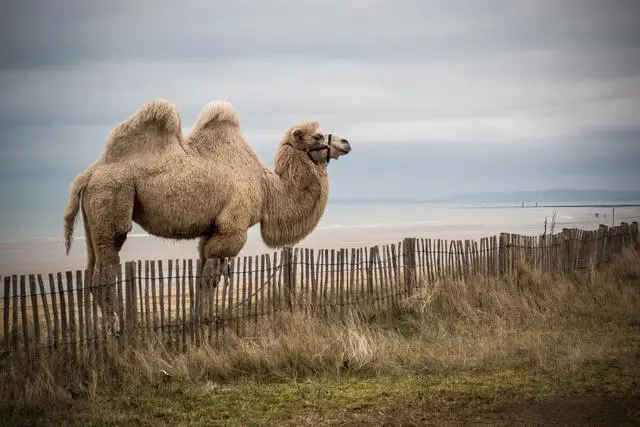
(556, 327)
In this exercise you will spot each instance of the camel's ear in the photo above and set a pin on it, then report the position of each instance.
(297, 134)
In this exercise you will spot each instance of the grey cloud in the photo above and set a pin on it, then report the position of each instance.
(344, 92)
(76, 62)
(38, 33)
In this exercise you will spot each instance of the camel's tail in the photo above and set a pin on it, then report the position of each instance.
(71, 211)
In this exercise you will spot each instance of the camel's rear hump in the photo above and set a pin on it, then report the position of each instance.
(151, 129)
(217, 112)
(217, 132)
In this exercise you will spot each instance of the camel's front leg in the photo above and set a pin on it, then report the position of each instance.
(223, 244)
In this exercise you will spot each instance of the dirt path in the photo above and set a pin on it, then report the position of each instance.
(583, 410)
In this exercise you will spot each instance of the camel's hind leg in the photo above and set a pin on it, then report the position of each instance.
(109, 212)
(96, 290)
(105, 277)
(91, 255)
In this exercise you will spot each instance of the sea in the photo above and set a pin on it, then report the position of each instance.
(343, 225)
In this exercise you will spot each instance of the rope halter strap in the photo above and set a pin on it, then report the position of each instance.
(326, 147)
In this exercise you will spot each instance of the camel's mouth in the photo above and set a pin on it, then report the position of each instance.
(339, 152)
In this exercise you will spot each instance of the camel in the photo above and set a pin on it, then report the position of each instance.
(208, 185)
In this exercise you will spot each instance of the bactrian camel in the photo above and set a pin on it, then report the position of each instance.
(209, 184)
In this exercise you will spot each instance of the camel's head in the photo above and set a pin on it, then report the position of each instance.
(320, 146)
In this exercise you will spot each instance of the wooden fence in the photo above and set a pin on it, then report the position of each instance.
(173, 303)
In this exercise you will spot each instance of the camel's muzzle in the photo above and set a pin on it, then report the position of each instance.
(344, 147)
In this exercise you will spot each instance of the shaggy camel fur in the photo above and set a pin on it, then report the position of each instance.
(209, 185)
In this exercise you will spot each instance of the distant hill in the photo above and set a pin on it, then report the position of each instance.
(371, 200)
(545, 196)
(512, 197)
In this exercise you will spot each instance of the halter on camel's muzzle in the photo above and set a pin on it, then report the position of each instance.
(322, 147)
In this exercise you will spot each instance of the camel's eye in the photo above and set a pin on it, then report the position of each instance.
(318, 137)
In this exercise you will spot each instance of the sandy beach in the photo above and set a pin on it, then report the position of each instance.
(342, 227)
(49, 256)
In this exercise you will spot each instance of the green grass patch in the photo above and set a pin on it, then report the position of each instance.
(444, 396)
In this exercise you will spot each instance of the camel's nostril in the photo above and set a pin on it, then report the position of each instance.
(346, 146)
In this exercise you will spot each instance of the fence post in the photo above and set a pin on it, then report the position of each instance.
(635, 235)
(288, 277)
(130, 299)
(409, 258)
(627, 236)
(502, 255)
(5, 313)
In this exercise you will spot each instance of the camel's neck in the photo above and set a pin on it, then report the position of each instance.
(295, 197)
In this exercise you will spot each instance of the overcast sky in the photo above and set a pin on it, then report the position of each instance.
(436, 98)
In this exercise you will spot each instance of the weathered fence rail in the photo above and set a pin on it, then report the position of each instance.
(173, 302)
